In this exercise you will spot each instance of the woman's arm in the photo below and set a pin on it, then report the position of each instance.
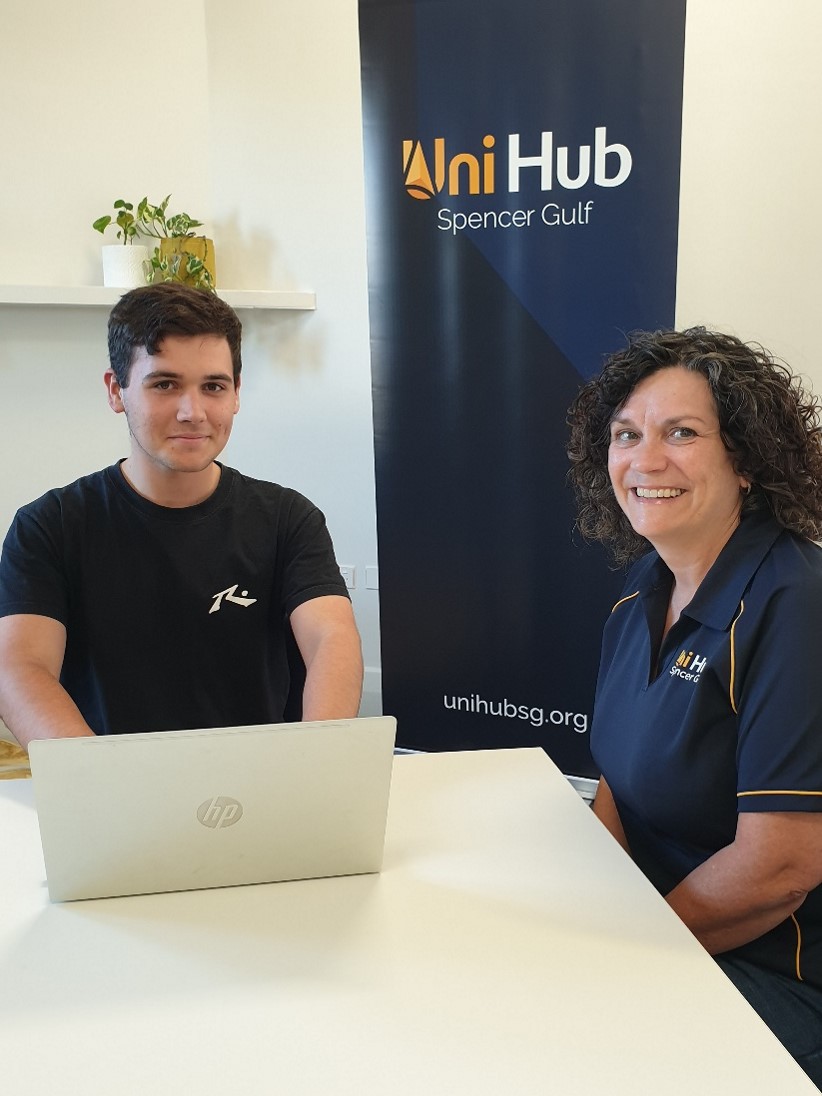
(606, 811)
(753, 884)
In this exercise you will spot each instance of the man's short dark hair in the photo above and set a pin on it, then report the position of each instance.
(144, 317)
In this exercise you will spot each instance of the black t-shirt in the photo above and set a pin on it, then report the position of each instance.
(175, 618)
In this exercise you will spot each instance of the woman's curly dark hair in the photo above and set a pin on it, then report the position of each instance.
(769, 424)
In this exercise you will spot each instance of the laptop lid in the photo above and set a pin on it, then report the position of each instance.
(184, 810)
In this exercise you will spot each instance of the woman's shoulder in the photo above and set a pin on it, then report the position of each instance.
(790, 575)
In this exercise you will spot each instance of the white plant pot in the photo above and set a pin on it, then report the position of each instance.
(123, 265)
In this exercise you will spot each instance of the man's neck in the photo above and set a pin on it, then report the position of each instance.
(169, 488)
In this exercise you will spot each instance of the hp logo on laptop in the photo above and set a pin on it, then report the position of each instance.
(219, 812)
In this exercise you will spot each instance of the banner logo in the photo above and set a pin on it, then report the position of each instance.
(604, 164)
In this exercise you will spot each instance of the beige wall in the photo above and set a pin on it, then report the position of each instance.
(750, 230)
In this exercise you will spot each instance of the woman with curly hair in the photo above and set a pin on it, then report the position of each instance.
(700, 457)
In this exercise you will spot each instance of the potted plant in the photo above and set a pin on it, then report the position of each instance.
(123, 263)
(181, 255)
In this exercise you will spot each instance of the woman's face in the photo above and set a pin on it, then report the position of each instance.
(670, 471)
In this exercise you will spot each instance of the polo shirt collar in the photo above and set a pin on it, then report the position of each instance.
(716, 602)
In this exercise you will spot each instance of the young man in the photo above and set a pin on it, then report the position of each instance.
(162, 593)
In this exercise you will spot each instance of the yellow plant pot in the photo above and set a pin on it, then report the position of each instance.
(198, 246)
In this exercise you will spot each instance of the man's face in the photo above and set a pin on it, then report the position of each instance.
(180, 403)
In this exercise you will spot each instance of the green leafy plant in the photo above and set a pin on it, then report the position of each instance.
(124, 220)
(182, 267)
(154, 220)
(167, 263)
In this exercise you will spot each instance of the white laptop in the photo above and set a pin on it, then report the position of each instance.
(184, 810)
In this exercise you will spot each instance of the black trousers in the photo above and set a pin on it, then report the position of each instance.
(791, 1009)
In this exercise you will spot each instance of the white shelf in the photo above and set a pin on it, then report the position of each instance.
(104, 296)
(269, 298)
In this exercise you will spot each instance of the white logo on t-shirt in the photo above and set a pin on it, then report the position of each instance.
(229, 595)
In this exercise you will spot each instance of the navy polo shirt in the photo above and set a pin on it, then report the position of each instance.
(724, 716)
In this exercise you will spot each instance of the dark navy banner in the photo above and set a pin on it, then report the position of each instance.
(522, 184)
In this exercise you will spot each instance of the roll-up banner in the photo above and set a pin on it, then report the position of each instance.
(522, 184)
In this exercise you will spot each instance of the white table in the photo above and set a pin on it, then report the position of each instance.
(508, 947)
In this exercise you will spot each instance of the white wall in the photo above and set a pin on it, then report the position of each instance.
(750, 230)
(249, 113)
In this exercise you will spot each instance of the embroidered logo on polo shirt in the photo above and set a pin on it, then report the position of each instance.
(234, 598)
(688, 666)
